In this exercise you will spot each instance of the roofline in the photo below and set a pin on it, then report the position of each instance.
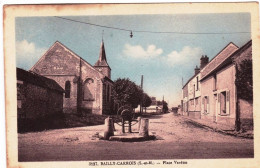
(219, 53)
(219, 67)
(210, 61)
(230, 57)
(190, 79)
(243, 47)
(45, 78)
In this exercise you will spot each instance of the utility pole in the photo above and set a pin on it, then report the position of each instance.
(163, 104)
(141, 103)
(163, 98)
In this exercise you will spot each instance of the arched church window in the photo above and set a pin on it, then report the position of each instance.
(89, 90)
(67, 89)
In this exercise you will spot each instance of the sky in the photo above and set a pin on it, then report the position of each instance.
(164, 59)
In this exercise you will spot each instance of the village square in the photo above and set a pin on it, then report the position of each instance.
(134, 103)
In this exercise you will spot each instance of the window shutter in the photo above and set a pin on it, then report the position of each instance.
(207, 104)
(227, 102)
(228, 96)
(202, 105)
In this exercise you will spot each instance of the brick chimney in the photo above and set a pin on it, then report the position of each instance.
(196, 70)
(204, 60)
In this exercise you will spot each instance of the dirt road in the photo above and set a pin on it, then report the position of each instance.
(176, 139)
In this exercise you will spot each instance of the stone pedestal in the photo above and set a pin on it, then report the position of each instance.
(109, 130)
(144, 127)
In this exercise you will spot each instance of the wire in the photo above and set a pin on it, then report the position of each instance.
(92, 24)
(144, 31)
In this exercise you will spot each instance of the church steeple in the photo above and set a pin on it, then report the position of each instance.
(101, 63)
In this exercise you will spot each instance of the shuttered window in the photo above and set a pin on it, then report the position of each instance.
(224, 103)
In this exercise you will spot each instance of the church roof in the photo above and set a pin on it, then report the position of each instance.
(102, 61)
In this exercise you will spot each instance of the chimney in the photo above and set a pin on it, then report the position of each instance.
(196, 70)
(204, 60)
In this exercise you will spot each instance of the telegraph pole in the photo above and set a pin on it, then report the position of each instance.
(163, 104)
(141, 103)
(182, 81)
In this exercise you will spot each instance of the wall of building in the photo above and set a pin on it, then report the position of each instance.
(226, 82)
(35, 101)
(210, 107)
(246, 114)
(93, 106)
(192, 99)
(69, 104)
(39, 102)
(207, 99)
(55, 102)
(185, 100)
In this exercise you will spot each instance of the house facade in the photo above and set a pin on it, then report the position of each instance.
(219, 99)
(192, 92)
(218, 89)
(87, 88)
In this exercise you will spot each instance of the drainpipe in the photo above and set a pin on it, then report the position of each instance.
(237, 121)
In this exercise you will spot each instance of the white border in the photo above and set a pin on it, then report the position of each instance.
(2, 100)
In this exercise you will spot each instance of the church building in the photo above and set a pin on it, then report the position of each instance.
(87, 88)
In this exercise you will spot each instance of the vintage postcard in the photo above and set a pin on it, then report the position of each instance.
(132, 85)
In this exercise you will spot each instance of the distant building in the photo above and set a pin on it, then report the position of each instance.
(153, 108)
(217, 92)
(154, 102)
(37, 96)
(87, 88)
(191, 92)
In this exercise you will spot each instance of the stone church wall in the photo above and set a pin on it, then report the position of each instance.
(69, 104)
